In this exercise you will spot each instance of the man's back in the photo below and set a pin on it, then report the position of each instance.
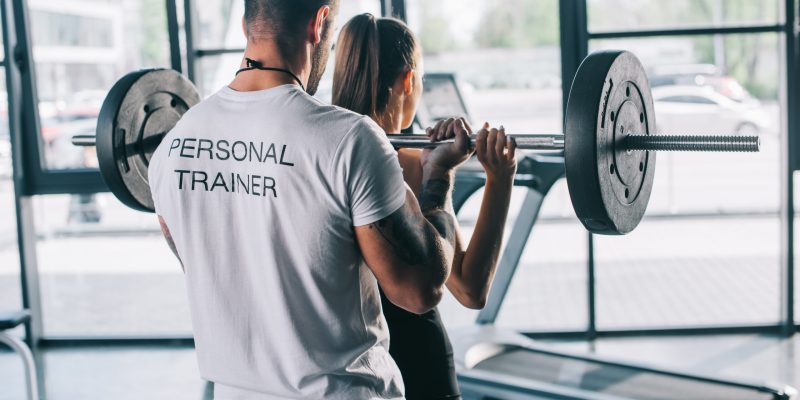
(261, 191)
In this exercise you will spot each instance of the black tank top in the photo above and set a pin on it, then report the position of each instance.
(422, 350)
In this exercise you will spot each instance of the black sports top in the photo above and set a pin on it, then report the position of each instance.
(421, 348)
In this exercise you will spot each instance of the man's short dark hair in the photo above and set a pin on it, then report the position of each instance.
(281, 20)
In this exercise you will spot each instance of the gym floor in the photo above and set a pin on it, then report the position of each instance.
(128, 373)
(640, 284)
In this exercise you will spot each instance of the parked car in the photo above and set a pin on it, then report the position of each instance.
(699, 75)
(681, 74)
(702, 109)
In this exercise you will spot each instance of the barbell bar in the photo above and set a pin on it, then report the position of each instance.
(609, 142)
(710, 143)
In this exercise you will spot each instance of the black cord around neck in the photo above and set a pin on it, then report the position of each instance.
(256, 65)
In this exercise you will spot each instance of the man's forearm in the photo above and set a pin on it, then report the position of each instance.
(424, 238)
(436, 203)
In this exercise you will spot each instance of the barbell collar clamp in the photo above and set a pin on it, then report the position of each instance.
(84, 140)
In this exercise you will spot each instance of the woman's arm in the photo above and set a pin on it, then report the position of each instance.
(473, 270)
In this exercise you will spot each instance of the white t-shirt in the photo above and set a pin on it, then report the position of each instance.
(261, 191)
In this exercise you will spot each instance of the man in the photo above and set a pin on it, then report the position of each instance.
(284, 211)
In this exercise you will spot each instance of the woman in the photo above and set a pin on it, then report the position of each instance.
(379, 73)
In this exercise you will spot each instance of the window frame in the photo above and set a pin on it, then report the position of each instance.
(31, 178)
(37, 178)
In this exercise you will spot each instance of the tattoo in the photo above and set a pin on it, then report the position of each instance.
(168, 236)
(436, 203)
(402, 231)
(435, 194)
(445, 224)
(412, 237)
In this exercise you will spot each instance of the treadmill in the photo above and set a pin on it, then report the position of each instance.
(494, 363)
(497, 364)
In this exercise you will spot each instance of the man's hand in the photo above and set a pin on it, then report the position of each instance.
(448, 157)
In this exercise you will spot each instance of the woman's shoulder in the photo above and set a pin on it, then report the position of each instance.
(410, 154)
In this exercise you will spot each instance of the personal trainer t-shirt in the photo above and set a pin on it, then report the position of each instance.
(261, 191)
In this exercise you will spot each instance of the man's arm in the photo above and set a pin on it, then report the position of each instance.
(411, 251)
(170, 242)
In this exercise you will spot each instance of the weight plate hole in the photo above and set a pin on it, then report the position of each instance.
(613, 116)
(613, 169)
(641, 117)
(146, 109)
(173, 103)
(628, 91)
(627, 193)
(641, 166)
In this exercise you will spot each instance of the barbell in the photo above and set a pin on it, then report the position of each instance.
(609, 145)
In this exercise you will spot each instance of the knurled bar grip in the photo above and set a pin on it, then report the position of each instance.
(632, 142)
(748, 144)
(741, 144)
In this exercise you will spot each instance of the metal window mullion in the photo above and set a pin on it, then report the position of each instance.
(574, 48)
(789, 163)
(399, 10)
(736, 30)
(188, 27)
(176, 60)
(14, 29)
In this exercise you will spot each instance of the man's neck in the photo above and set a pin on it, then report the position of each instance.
(255, 80)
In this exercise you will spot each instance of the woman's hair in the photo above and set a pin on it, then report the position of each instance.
(371, 53)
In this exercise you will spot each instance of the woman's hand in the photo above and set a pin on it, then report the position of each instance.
(497, 154)
(448, 157)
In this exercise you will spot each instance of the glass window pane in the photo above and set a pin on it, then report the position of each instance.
(81, 48)
(796, 247)
(707, 252)
(624, 15)
(504, 53)
(10, 289)
(506, 58)
(549, 291)
(215, 72)
(106, 270)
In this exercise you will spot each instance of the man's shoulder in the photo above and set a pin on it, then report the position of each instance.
(333, 117)
(341, 124)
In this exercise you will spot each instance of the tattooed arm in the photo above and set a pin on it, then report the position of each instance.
(411, 251)
(170, 242)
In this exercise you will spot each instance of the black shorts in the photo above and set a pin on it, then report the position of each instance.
(421, 348)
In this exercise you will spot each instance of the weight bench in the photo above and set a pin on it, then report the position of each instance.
(11, 320)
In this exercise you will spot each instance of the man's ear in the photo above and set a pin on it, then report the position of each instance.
(244, 27)
(318, 25)
(408, 81)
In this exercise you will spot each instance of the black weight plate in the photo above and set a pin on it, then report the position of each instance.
(138, 111)
(610, 99)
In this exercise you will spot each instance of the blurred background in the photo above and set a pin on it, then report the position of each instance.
(714, 254)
